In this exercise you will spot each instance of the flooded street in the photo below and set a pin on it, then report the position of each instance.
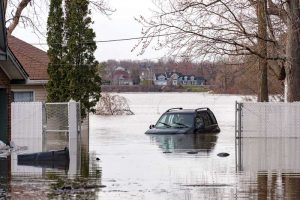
(121, 162)
(139, 166)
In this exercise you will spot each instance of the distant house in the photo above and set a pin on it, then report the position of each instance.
(160, 79)
(200, 80)
(193, 80)
(173, 78)
(176, 78)
(121, 77)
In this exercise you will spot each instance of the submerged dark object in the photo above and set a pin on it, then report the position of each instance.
(185, 121)
(192, 152)
(51, 159)
(223, 154)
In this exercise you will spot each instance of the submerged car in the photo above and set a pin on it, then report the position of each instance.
(185, 121)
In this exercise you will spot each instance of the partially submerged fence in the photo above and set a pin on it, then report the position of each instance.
(62, 117)
(32, 119)
(267, 136)
(267, 119)
(32, 122)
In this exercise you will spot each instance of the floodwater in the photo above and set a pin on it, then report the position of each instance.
(121, 162)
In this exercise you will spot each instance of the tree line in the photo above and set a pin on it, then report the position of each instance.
(221, 76)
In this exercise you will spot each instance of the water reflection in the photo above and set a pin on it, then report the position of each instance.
(268, 154)
(272, 165)
(85, 185)
(80, 178)
(272, 185)
(4, 177)
(186, 143)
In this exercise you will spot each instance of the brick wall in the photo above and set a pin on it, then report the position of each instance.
(5, 83)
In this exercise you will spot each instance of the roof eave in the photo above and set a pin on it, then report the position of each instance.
(36, 82)
(18, 65)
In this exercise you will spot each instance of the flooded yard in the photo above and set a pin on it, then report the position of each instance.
(121, 162)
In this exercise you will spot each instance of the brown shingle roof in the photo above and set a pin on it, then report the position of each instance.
(33, 60)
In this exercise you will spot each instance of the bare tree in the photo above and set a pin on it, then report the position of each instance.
(208, 29)
(15, 12)
(199, 29)
(293, 50)
(261, 12)
(112, 104)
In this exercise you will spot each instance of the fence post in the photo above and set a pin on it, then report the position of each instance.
(235, 120)
(72, 119)
(238, 119)
(74, 139)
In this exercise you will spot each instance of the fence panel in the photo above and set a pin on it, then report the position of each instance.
(267, 154)
(35, 124)
(268, 119)
(57, 117)
(26, 120)
(27, 130)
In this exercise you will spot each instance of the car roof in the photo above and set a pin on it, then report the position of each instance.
(181, 110)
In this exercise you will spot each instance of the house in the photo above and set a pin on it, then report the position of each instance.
(121, 76)
(160, 79)
(193, 80)
(176, 78)
(23, 77)
(35, 63)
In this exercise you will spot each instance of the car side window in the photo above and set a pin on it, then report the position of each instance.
(199, 121)
(213, 118)
(206, 118)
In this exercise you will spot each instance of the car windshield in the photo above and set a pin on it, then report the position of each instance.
(175, 120)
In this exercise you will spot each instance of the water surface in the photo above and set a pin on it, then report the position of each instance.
(139, 166)
(121, 162)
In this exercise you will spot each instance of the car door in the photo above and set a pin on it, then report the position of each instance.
(199, 123)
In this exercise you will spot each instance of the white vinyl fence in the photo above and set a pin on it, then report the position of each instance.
(267, 120)
(32, 119)
(27, 120)
(267, 154)
(32, 122)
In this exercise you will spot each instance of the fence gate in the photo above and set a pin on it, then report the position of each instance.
(62, 117)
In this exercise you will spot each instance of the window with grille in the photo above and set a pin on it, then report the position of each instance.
(23, 96)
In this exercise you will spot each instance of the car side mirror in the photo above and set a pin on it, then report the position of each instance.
(151, 126)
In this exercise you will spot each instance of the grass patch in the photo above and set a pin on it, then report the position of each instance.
(195, 88)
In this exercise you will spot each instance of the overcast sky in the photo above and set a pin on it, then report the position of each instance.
(120, 25)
